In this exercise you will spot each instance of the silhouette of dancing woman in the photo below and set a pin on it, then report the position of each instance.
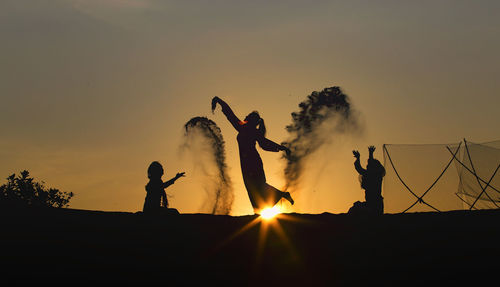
(371, 182)
(252, 130)
(156, 198)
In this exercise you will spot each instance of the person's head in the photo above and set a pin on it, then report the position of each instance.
(254, 120)
(155, 170)
(375, 168)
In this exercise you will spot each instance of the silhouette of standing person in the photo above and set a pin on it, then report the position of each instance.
(250, 131)
(371, 182)
(156, 198)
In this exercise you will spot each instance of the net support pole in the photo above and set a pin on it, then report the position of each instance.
(469, 170)
(485, 187)
(456, 193)
(397, 174)
(420, 198)
(477, 178)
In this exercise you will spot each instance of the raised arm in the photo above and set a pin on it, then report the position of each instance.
(268, 145)
(231, 117)
(171, 181)
(357, 164)
(371, 150)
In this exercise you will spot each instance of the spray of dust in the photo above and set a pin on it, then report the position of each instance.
(323, 119)
(204, 139)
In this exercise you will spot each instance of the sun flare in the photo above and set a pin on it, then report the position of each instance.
(270, 212)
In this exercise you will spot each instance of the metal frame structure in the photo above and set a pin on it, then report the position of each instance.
(472, 170)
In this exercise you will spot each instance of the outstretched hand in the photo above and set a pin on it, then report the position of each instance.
(215, 100)
(356, 154)
(371, 149)
(180, 174)
(287, 151)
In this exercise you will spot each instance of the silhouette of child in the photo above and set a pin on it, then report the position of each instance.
(156, 198)
(371, 182)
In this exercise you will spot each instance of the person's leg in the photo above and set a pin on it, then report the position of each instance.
(254, 188)
(288, 197)
(275, 195)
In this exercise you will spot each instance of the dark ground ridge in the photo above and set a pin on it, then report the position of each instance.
(75, 246)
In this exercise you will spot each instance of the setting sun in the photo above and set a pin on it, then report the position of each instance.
(268, 213)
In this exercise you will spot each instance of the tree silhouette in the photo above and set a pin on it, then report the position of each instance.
(22, 190)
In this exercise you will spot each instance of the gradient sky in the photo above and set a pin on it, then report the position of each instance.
(93, 91)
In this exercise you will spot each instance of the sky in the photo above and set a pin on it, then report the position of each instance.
(93, 91)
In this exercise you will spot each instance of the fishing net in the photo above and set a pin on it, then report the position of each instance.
(441, 177)
(479, 175)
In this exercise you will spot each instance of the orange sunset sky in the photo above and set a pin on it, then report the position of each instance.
(93, 91)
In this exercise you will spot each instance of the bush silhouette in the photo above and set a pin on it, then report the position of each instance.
(22, 190)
